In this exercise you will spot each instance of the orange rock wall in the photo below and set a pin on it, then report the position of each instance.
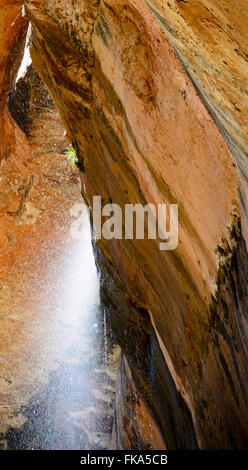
(144, 134)
(147, 131)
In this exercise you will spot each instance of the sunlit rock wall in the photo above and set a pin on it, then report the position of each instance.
(209, 39)
(13, 29)
(38, 188)
(148, 131)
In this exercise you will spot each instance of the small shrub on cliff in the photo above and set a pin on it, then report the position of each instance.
(71, 155)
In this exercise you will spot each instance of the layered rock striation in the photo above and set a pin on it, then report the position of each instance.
(156, 112)
(144, 133)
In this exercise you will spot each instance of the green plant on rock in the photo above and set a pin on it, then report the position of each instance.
(71, 155)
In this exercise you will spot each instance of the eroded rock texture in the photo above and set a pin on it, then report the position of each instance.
(13, 29)
(147, 131)
(208, 38)
(57, 375)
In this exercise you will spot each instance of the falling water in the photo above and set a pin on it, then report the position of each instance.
(57, 384)
(105, 336)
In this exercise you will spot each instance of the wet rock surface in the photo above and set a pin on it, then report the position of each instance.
(156, 114)
(135, 113)
(57, 368)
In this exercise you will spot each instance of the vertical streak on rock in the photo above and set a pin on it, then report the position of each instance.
(13, 29)
(220, 83)
(144, 135)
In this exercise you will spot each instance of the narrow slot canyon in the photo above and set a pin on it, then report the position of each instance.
(58, 367)
(116, 342)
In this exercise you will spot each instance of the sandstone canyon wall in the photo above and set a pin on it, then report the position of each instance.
(158, 115)
(13, 28)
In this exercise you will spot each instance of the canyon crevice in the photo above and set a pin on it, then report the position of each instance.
(157, 115)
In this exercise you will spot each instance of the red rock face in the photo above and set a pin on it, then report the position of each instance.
(145, 133)
(13, 29)
(37, 190)
(13, 143)
(209, 38)
(12, 33)
(40, 262)
(209, 41)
